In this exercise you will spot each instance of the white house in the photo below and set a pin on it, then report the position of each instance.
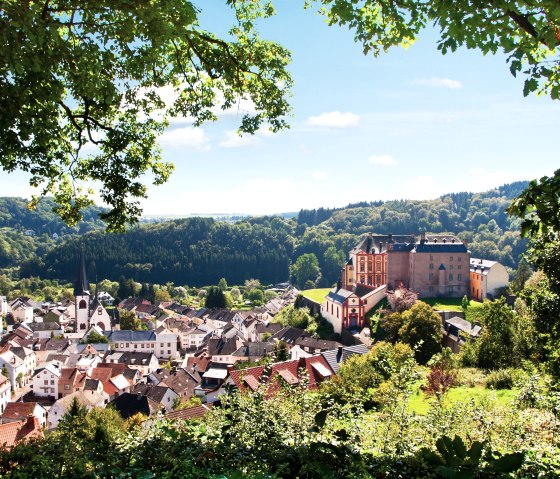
(3, 306)
(61, 407)
(20, 362)
(487, 277)
(22, 313)
(45, 381)
(163, 345)
(5, 392)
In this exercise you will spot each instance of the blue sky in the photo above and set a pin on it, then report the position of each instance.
(408, 124)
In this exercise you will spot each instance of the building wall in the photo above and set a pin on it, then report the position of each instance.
(5, 395)
(101, 318)
(397, 269)
(426, 277)
(45, 384)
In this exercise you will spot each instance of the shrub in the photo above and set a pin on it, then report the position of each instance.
(501, 379)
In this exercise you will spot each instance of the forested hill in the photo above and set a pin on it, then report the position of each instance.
(15, 214)
(191, 251)
(199, 251)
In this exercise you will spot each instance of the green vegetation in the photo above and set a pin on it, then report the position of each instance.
(452, 304)
(318, 295)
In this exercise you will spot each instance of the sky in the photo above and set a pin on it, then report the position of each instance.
(409, 124)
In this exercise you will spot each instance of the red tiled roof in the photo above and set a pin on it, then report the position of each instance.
(15, 432)
(18, 410)
(288, 370)
(189, 413)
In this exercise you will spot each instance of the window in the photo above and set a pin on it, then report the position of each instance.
(46, 382)
(431, 265)
(431, 276)
(459, 277)
(52, 383)
(67, 387)
(83, 304)
(459, 258)
(99, 310)
(451, 258)
(459, 266)
(450, 266)
(450, 276)
(431, 257)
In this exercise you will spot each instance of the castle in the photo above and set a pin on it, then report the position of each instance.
(89, 311)
(433, 265)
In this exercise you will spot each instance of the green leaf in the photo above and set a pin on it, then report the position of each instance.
(508, 463)
(320, 418)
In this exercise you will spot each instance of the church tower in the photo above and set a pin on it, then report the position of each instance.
(81, 296)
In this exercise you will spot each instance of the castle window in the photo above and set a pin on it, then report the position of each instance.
(450, 276)
(431, 265)
(431, 276)
(459, 258)
(459, 277)
(83, 304)
(459, 266)
(451, 258)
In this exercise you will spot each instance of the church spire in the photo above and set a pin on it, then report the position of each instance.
(81, 287)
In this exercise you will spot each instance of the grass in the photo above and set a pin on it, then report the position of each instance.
(451, 304)
(420, 403)
(317, 295)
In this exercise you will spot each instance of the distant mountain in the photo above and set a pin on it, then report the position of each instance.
(199, 251)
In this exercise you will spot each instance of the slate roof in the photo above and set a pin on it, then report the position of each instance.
(335, 357)
(256, 349)
(289, 335)
(48, 326)
(271, 328)
(128, 404)
(339, 295)
(481, 266)
(315, 343)
(81, 286)
(129, 336)
(219, 347)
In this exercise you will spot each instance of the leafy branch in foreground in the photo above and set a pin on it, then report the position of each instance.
(86, 88)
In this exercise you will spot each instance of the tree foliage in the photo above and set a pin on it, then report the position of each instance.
(306, 268)
(83, 91)
(528, 32)
(422, 329)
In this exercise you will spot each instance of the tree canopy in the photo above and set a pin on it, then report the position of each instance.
(83, 91)
(87, 88)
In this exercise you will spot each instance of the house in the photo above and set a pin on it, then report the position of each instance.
(20, 362)
(20, 411)
(144, 362)
(181, 382)
(129, 404)
(22, 312)
(45, 330)
(20, 431)
(335, 357)
(316, 345)
(282, 374)
(190, 413)
(160, 394)
(62, 406)
(5, 392)
(222, 351)
(212, 380)
(264, 331)
(487, 278)
(346, 309)
(46, 380)
(433, 265)
(3, 306)
(254, 351)
(289, 336)
(71, 381)
(457, 331)
(163, 345)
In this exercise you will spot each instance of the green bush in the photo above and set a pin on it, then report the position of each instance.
(501, 379)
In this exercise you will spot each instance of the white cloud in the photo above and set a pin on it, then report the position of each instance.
(187, 137)
(383, 160)
(437, 82)
(319, 175)
(334, 119)
(233, 140)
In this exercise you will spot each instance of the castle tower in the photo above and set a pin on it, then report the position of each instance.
(81, 296)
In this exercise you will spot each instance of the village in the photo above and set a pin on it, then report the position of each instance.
(184, 359)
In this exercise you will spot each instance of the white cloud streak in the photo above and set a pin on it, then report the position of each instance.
(383, 160)
(437, 82)
(334, 119)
